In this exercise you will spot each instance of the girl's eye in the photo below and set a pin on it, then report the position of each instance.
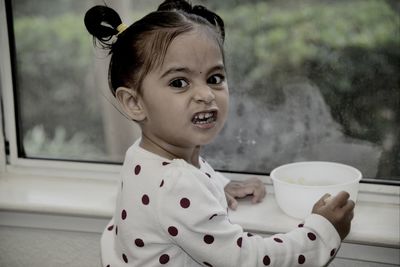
(216, 79)
(179, 83)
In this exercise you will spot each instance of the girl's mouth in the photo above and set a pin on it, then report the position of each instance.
(204, 118)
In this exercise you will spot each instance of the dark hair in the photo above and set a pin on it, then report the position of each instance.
(142, 46)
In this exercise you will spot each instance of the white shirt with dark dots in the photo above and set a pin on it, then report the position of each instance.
(170, 213)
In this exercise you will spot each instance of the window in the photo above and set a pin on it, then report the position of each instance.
(309, 80)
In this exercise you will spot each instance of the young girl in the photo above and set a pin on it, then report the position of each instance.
(167, 71)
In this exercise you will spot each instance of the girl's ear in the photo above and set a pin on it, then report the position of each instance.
(131, 103)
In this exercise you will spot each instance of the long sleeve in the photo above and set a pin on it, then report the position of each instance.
(193, 218)
(219, 177)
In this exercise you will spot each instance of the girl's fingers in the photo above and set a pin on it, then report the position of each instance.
(258, 195)
(261, 191)
(232, 202)
(339, 200)
(351, 215)
(251, 187)
(327, 199)
(349, 206)
(323, 200)
(235, 189)
(255, 188)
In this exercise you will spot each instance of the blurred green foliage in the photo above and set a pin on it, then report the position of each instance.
(39, 144)
(274, 40)
(54, 68)
(349, 49)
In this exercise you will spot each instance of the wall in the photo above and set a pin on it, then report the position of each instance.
(29, 247)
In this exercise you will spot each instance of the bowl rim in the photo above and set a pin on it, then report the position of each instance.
(274, 179)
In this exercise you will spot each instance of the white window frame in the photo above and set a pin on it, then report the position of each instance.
(73, 173)
(12, 163)
(42, 166)
(15, 164)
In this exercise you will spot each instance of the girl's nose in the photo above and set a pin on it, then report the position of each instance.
(204, 94)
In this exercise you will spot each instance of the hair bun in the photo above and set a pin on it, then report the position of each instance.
(102, 23)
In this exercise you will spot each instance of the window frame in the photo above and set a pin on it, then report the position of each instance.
(72, 201)
(10, 160)
(9, 140)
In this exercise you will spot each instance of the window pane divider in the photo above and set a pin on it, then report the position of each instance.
(6, 86)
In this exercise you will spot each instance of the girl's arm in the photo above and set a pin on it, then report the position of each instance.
(202, 229)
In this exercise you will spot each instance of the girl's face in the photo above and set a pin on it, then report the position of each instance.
(185, 100)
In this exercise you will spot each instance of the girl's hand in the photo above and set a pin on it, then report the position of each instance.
(339, 210)
(250, 187)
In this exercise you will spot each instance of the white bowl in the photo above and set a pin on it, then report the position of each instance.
(298, 186)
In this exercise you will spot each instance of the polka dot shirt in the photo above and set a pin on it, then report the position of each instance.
(169, 213)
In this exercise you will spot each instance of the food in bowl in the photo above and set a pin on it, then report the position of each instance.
(298, 186)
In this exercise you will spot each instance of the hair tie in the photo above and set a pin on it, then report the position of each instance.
(121, 28)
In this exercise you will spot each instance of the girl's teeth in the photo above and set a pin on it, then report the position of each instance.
(203, 118)
(204, 115)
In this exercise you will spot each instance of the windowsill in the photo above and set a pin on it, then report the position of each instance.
(376, 221)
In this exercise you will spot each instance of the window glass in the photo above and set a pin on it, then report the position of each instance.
(309, 80)
(65, 110)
